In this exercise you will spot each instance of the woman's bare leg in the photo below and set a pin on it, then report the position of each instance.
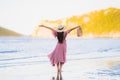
(61, 64)
(58, 67)
(60, 75)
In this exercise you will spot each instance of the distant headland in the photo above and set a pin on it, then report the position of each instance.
(6, 32)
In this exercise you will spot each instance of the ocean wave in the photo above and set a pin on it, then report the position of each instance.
(9, 51)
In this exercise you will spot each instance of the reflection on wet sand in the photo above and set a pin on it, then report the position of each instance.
(59, 76)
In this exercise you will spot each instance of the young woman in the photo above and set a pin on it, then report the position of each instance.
(58, 56)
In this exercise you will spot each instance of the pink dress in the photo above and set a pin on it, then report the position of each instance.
(59, 53)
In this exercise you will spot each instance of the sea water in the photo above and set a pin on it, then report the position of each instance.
(24, 51)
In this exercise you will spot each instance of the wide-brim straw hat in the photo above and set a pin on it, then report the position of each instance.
(60, 28)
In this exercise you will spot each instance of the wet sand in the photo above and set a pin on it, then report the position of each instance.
(88, 69)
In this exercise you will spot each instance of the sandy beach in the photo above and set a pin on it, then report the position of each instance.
(84, 69)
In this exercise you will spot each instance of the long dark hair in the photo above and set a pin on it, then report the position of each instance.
(60, 37)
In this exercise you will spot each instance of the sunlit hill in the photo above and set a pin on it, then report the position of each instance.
(102, 23)
(8, 32)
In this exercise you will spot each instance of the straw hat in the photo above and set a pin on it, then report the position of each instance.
(60, 28)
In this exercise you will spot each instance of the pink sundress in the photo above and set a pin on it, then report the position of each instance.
(59, 53)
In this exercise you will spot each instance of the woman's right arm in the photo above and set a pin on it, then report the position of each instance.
(46, 27)
(74, 28)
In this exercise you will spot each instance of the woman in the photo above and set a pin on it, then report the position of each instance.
(58, 56)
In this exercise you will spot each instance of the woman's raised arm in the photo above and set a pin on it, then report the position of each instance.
(74, 28)
(46, 27)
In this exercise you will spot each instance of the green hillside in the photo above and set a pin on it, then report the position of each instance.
(7, 32)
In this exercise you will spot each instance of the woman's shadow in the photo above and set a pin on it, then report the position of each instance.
(59, 76)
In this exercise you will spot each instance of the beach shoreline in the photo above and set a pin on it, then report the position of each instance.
(72, 70)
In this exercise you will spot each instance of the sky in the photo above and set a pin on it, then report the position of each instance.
(23, 16)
